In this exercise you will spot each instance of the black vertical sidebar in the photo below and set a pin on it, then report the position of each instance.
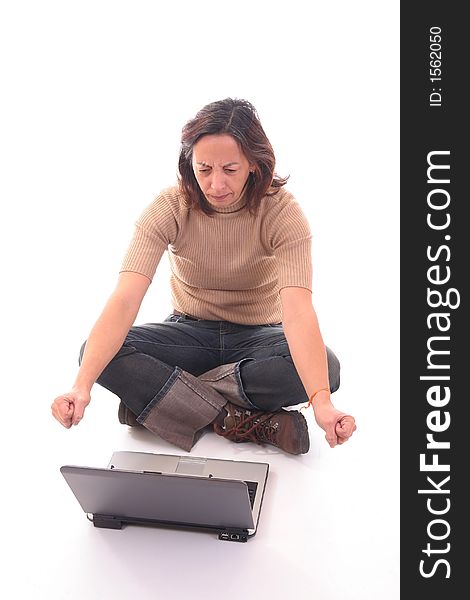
(435, 268)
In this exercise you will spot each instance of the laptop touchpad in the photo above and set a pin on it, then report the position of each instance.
(191, 466)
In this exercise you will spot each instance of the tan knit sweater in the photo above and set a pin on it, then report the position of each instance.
(230, 266)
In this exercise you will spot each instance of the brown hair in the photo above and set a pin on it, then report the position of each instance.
(239, 119)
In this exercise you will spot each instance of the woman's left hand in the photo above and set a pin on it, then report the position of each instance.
(337, 425)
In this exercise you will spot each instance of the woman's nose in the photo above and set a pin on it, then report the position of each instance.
(218, 181)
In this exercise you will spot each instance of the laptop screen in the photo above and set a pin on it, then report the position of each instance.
(177, 499)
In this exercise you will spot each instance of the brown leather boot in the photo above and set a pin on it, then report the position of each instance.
(285, 429)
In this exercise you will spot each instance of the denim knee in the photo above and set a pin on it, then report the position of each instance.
(272, 383)
(124, 350)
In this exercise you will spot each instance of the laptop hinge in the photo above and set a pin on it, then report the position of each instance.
(107, 521)
(233, 535)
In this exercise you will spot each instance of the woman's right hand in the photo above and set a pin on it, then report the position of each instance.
(68, 408)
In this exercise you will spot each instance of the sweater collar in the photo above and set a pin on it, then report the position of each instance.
(235, 207)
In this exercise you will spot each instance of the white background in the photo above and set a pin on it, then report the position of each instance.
(94, 95)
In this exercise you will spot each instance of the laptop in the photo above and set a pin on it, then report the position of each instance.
(141, 488)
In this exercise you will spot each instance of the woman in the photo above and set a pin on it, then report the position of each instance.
(243, 339)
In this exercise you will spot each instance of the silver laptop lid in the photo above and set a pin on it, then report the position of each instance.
(174, 499)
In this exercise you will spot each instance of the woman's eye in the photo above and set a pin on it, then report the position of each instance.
(230, 170)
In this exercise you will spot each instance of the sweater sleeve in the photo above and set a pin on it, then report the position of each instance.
(155, 230)
(291, 242)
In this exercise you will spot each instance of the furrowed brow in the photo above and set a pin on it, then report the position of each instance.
(230, 164)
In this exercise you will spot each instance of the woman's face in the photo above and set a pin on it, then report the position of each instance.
(221, 169)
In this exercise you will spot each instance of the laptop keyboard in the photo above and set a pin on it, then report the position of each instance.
(252, 487)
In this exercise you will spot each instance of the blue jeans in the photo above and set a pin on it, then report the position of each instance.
(266, 376)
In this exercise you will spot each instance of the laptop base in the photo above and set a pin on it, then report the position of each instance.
(227, 534)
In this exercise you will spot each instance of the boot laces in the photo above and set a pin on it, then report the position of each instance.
(252, 427)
